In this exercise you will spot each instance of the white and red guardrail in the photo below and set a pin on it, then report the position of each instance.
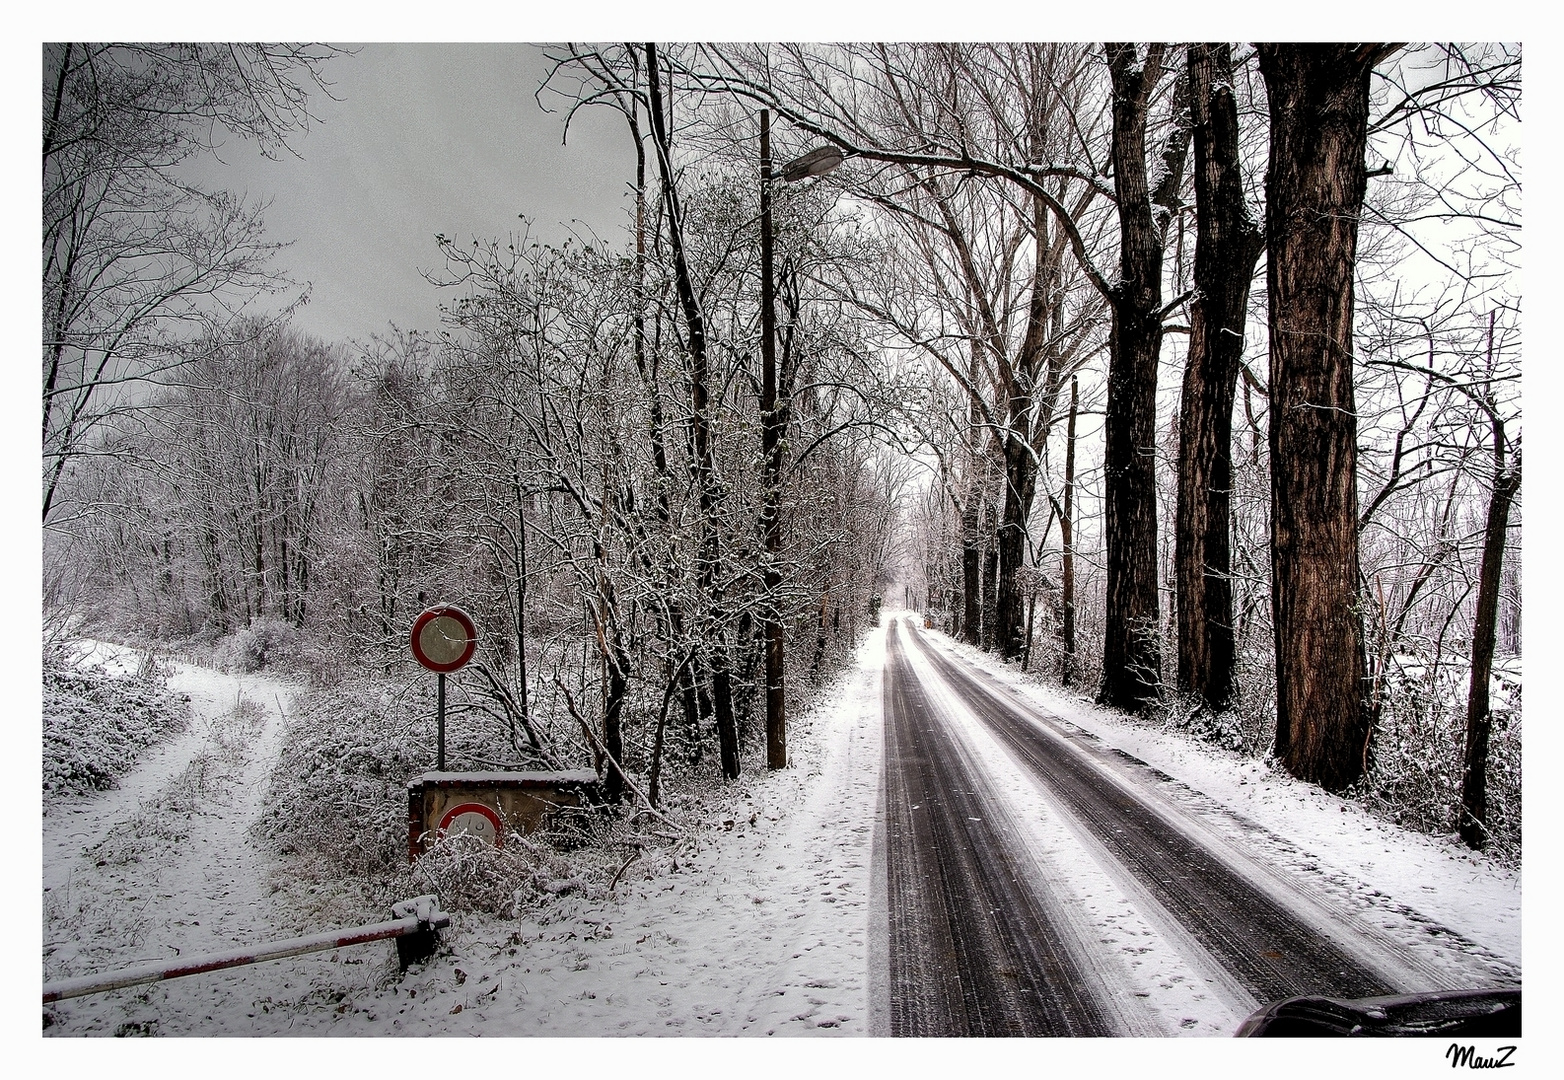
(414, 928)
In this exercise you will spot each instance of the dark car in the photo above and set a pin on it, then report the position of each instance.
(1474, 1013)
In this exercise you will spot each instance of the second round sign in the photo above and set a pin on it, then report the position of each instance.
(444, 638)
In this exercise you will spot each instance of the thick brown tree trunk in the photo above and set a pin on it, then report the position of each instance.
(1479, 719)
(1227, 245)
(1319, 98)
(1132, 654)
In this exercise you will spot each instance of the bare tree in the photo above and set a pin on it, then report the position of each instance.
(134, 256)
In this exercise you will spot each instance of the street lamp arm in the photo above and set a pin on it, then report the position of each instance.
(1028, 177)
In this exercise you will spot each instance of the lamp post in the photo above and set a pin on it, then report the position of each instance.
(773, 426)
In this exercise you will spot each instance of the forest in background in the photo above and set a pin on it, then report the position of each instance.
(1026, 336)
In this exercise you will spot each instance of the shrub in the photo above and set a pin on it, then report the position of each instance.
(338, 791)
(95, 725)
(264, 643)
(468, 873)
(1418, 749)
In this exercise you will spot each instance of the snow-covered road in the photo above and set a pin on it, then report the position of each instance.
(773, 922)
(1060, 887)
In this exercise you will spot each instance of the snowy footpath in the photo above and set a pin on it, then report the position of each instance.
(161, 865)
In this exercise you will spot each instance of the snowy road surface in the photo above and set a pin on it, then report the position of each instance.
(1037, 882)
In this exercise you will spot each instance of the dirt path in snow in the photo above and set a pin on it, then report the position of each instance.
(162, 866)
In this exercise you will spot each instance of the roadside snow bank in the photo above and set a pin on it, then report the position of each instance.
(762, 929)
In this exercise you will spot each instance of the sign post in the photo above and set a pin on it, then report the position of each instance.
(444, 638)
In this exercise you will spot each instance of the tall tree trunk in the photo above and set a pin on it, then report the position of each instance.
(618, 665)
(717, 660)
(1067, 544)
(1027, 420)
(990, 582)
(521, 610)
(1227, 245)
(1319, 97)
(1479, 720)
(1132, 655)
(971, 560)
(646, 363)
(1010, 545)
(1031, 619)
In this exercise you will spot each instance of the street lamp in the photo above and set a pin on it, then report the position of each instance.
(772, 424)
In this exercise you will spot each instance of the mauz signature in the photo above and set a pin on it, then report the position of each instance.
(1467, 1055)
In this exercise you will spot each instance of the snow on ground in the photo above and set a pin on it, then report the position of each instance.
(763, 931)
(110, 658)
(763, 928)
(1436, 876)
(161, 866)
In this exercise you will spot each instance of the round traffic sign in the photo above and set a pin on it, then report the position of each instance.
(474, 818)
(444, 638)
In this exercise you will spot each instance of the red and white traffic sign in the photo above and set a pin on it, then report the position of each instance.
(476, 819)
(444, 638)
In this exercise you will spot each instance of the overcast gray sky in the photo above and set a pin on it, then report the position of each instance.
(425, 139)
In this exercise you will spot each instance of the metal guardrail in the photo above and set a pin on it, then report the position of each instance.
(413, 928)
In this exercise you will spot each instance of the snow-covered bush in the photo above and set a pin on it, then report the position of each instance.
(339, 788)
(95, 724)
(1418, 750)
(264, 643)
(468, 873)
(337, 808)
(1188, 714)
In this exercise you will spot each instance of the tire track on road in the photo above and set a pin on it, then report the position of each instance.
(972, 950)
(1264, 946)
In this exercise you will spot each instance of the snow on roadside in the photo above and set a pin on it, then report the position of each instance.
(763, 929)
(1436, 876)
